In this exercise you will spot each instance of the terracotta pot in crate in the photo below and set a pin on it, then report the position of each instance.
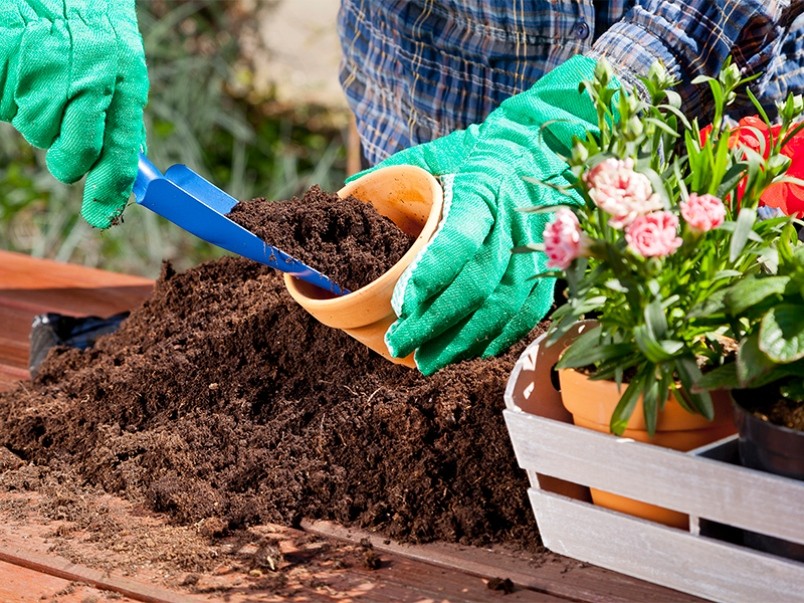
(592, 402)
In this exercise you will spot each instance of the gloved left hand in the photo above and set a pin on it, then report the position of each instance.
(466, 294)
(73, 80)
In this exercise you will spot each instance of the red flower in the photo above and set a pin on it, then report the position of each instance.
(748, 133)
(787, 196)
(753, 133)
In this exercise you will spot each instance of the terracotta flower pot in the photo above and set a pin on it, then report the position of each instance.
(592, 403)
(772, 448)
(412, 198)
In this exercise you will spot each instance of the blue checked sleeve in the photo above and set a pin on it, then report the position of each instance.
(694, 37)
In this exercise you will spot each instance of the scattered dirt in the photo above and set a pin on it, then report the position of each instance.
(345, 239)
(50, 511)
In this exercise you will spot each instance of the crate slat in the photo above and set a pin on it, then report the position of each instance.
(667, 556)
(680, 481)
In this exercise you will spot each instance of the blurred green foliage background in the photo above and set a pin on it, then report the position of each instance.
(199, 114)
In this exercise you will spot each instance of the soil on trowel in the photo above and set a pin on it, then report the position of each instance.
(220, 399)
(344, 239)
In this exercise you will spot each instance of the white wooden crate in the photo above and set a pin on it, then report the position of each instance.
(721, 498)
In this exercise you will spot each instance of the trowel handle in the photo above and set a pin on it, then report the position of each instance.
(146, 173)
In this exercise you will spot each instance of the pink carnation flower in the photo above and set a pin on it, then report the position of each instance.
(654, 235)
(703, 212)
(621, 192)
(563, 239)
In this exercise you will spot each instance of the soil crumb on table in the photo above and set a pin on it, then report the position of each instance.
(220, 400)
(344, 239)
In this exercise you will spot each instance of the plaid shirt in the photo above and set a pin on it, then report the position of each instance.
(415, 70)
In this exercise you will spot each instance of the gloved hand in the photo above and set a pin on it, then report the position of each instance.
(73, 80)
(466, 294)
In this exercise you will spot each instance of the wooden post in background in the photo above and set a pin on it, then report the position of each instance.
(353, 155)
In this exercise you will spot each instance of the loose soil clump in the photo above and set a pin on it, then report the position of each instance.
(344, 239)
(220, 400)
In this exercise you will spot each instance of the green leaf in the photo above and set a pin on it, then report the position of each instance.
(578, 355)
(711, 305)
(722, 377)
(658, 185)
(731, 179)
(651, 402)
(781, 333)
(677, 112)
(726, 274)
(747, 293)
(792, 133)
(662, 126)
(591, 304)
(625, 407)
(673, 98)
(752, 363)
(655, 319)
(745, 223)
(760, 109)
(655, 350)
(615, 285)
(529, 248)
(689, 396)
(542, 209)
(793, 390)
(546, 274)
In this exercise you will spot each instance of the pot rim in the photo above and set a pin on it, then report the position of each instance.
(390, 277)
(788, 434)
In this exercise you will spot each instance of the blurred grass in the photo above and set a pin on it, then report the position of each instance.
(197, 115)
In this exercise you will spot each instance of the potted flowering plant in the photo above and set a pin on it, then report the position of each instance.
(661, 219)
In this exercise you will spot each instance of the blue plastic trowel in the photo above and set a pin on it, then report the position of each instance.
(199, 207)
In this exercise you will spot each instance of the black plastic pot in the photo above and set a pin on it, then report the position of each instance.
(775, 449)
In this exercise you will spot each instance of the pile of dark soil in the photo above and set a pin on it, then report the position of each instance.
(345, 239)
(221, 398)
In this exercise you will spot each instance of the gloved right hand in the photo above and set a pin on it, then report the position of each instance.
(73, 80)
(466, 295)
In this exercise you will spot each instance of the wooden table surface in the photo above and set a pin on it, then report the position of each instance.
(31, 572)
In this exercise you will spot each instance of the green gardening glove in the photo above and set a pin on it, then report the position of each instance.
(467, 294)
(73, 80)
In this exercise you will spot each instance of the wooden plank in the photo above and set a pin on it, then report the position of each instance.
(21, 585)
(312, 575)
(34, 285)
(20, 271)
(550, 576)
(10, 377)
(30, 286)
(15, 329)
(401, 579)
(51, 565)
(725, 493)
(674, 558)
